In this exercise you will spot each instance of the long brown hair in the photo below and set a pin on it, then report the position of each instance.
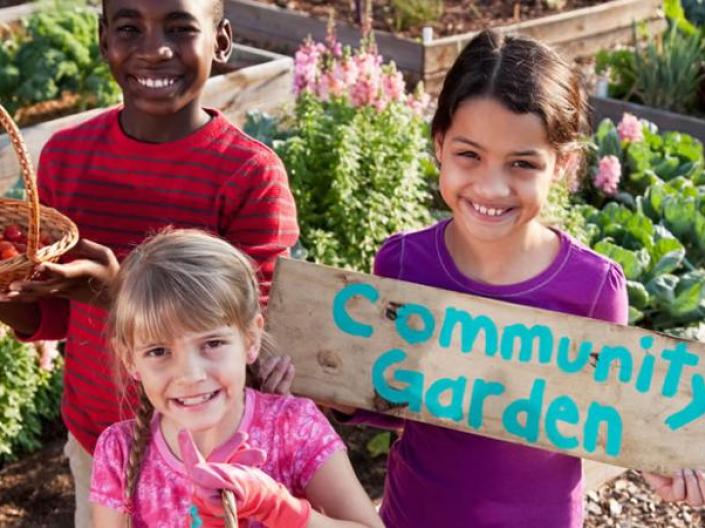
(525, 76)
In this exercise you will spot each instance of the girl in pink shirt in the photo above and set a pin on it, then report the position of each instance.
(184, 324)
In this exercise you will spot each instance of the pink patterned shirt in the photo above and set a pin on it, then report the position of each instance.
(297, 437)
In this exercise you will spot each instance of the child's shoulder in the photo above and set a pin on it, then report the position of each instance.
(281, 405)
(115, 441)
(587, 260)
(90, 129)
(275, 413)
(416, 246)
(238, 143)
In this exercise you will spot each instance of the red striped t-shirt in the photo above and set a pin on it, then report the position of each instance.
(118, 191)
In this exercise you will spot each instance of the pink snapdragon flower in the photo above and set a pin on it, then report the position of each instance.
(369, 80)
(331, 71)
(306, 66)
(609, 172)
(630, 129)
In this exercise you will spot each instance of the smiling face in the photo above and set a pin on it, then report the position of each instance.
(161, 51)
(196, 380)
(496, 170)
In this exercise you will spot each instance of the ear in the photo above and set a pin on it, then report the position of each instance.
(567, 164)
(438, 146)
(103, 37)
(132, 371)
(223, 43)
(253, 339)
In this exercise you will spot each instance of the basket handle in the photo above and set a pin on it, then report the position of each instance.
(28, 178)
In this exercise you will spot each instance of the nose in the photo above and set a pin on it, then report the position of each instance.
(155, 47)
(492, 184)
(191, 367)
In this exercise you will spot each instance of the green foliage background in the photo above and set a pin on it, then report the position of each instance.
(358, 175)
(654, 227)
(56, 50)
(29, 396)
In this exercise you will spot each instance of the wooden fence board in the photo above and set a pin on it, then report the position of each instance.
(655, 421)
(580, 32)
(284, 30)
(614, 109)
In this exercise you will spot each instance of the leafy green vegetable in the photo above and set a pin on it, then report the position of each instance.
(28, 395)
(57, 51)
(654, 227)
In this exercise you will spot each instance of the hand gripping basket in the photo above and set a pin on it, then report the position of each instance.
(61, 232)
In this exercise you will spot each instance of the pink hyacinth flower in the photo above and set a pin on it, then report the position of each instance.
(609, 172)
(630, 129)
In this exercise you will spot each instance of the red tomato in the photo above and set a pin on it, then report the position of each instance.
(4, 244)
(13, 233)
(21, 247)
(8, 253)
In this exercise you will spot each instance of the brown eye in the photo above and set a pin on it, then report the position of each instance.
(156, 352)
(523, 164)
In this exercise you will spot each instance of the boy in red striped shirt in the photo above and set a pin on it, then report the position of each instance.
(161, 159)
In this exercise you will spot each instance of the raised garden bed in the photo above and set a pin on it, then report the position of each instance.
(614, 109)
(576, 33)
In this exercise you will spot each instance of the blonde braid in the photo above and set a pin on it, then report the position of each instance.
(141, 434)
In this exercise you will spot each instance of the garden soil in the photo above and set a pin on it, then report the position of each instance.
(458, 16)
(36, 491)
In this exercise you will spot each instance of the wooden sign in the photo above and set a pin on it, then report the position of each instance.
(569, 384)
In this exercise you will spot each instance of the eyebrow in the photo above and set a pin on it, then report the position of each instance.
(181, 15)
(174, 15)
(125, 13)
(466, 141)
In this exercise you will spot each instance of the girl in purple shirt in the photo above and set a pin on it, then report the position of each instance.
(508, 124)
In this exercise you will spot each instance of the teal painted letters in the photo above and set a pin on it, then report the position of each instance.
(452, 410)
(601, 413)
(340, 314)
(527, 336)
(411, 335)
(470, 328)
(531, 407)
(561, 409)
(411, 394)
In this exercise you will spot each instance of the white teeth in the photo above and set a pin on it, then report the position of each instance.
(196, 400)
(489, 211)
(155, 83)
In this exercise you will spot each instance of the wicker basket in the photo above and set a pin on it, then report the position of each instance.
(61, 232)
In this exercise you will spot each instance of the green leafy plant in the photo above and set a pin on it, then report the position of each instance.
(56, 51)
(29, 395)
(654, 225)
(664, 71)
(356, 179)
(413, 13)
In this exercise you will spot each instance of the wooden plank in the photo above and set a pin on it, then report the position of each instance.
(590, 45)
(9, 15)
(265, 87)
(561, 29)
(366, 341)
(263, 83)
(597, 474)
(433, 81)
(284, 30)
(603, 107)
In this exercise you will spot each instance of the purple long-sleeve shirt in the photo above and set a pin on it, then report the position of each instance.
(438, 477)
